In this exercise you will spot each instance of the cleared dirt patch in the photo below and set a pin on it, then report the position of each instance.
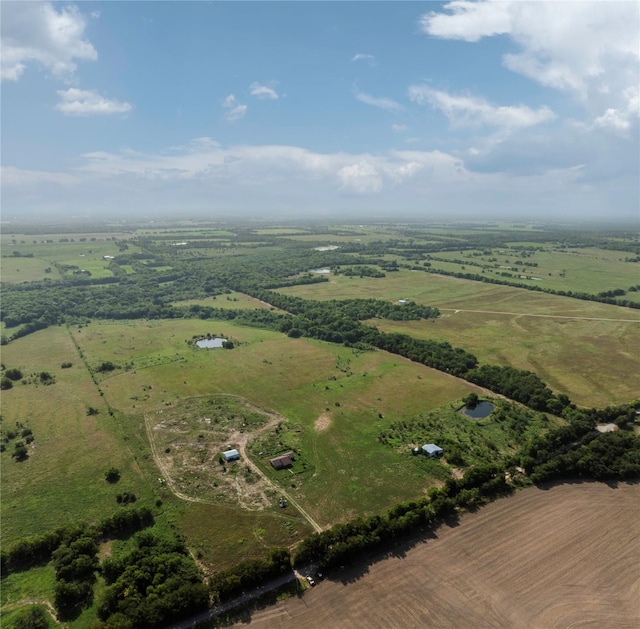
(187, 439)
(568, 556)
(322, 423)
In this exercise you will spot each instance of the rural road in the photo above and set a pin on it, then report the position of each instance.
(546, 316)
(212, 612)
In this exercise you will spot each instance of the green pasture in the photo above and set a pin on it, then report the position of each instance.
(221, 536)
(280, 231)
(16, 270)
(449, 292)
(593, 362)
(62, 481)
(580, 270)
(68, 252)
(24, 588)
(299, 378)
(232, 300)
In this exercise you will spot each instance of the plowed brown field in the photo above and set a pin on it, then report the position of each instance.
(568, 556)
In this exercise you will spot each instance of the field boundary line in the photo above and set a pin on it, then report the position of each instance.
(546, 316)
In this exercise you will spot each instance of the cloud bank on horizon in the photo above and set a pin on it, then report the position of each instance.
(472, 109)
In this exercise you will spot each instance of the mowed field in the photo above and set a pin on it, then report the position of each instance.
(568, 556)
(584, 349)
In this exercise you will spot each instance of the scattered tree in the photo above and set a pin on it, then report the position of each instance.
(112, 475)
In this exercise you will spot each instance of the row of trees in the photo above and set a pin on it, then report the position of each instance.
(572, 451)
(38, 549)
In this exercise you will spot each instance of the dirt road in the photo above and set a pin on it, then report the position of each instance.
(241, 439)
(545, 316)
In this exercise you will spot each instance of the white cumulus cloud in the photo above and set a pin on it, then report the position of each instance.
(77, 102)
(235, 110)
(360, 178)
(35, 32)
(263, 92)
(473, 111)
(589, 49)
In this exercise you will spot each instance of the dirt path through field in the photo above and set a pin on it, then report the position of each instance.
(545, 316)
(32, 601)
(241, 439)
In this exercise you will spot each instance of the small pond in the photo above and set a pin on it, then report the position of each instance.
(482, 410)
(210, 343)
(321, 271)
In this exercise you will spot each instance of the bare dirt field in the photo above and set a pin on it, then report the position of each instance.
(568, 556)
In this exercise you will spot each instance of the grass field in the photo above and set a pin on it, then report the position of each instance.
(358, 393)
(232, 300)
(17, 270)
(580, 270)
(62, 481)
(591, 361)
(449, 292)
(520, 562)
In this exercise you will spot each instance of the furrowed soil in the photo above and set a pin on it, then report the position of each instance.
(567, 556)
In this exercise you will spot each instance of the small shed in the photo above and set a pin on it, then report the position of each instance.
(282, 461)
(231, 455)
(431, 449)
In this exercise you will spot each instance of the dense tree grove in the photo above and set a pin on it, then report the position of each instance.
(38, 549)
(152, 586)
(229, 583)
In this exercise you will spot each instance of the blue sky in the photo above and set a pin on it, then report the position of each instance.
(281, 109)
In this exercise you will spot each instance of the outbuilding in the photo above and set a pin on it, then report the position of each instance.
(282, 461)
(431, 449)
(231, 455)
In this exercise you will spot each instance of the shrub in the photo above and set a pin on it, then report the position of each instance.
(112, 475)
(5, 384)
(20, 453)
(13, 374)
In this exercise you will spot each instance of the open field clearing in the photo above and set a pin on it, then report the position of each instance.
(580, 270)
(18, 269)
(348, 472)
(568, 556)
(593, 362)
(232, 300)
(62, 481)
(450, 292)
